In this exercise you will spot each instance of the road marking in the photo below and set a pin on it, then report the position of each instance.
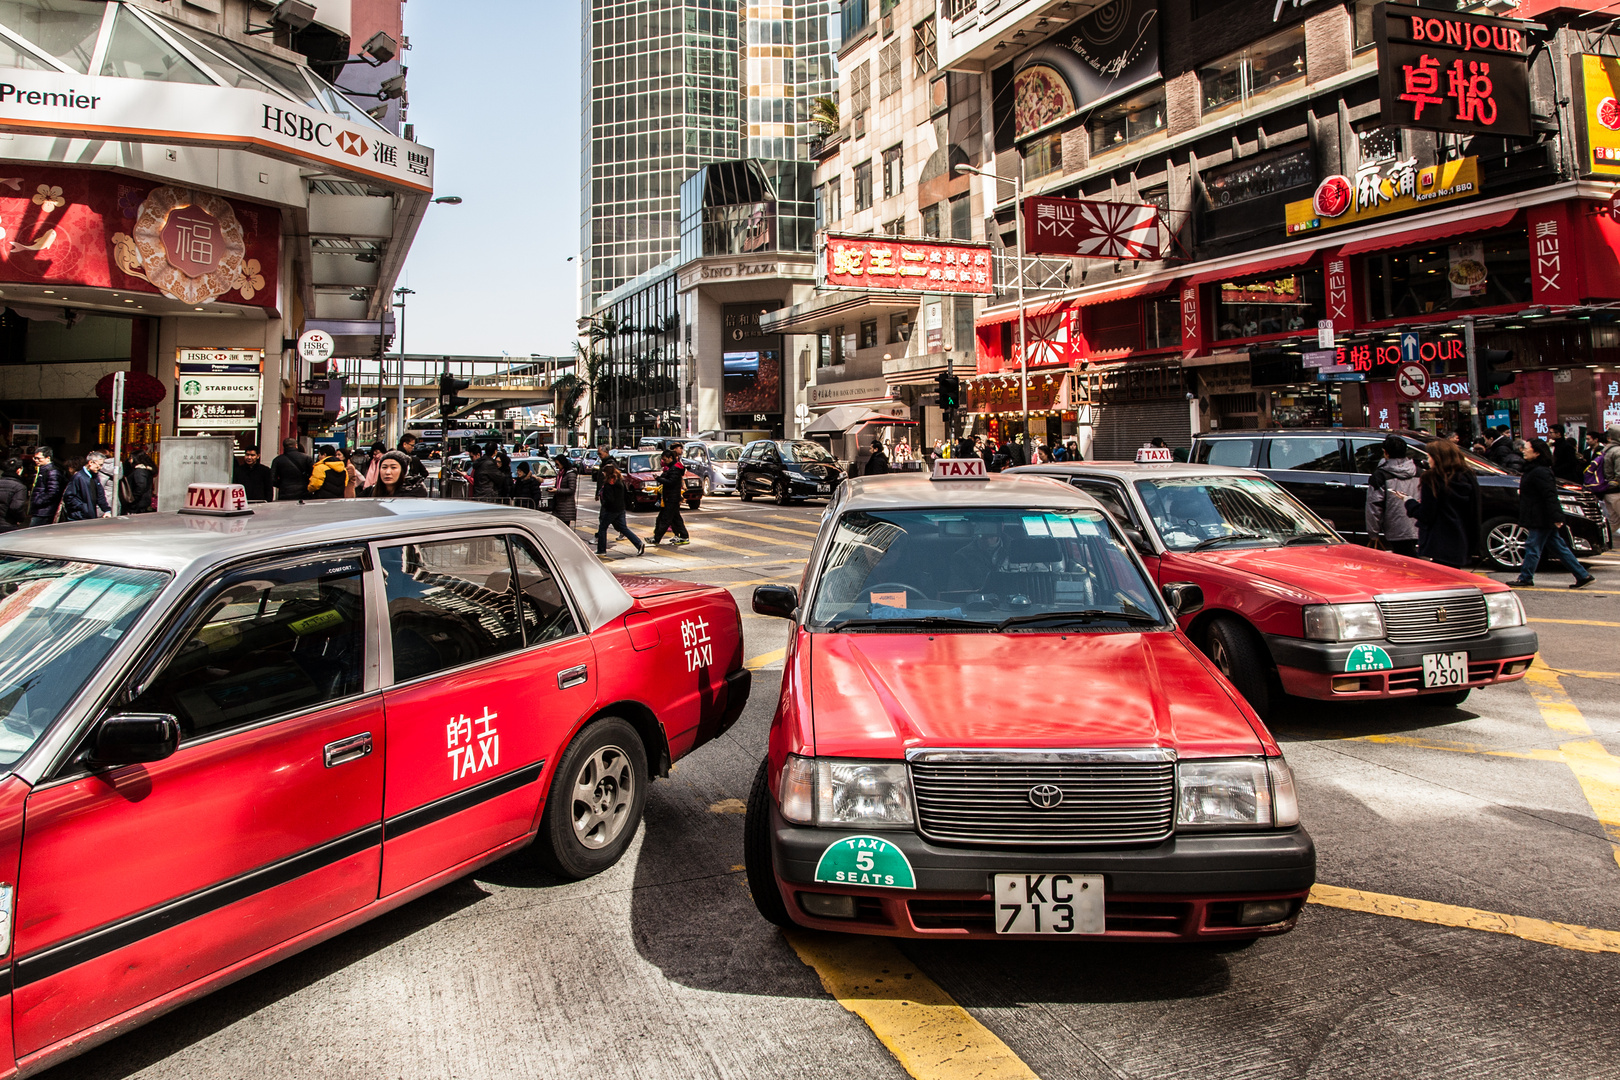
(773, 528)
(764, 659)
(706, 527)
(1546, 588)
(1562, 935)
(1596, 770)
(929, 1034)
(1458, 748)
(1574, 622)
(1586, 674)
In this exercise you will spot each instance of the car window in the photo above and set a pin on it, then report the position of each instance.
(450, 602)
(1235, 452)
(1112, 498)
(1365, 454)
(1307, 454)
(545, 611)
(639, 463)
(727, 452)
(273, 641)
(59, 621)
(805, 451)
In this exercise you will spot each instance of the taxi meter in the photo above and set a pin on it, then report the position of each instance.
(1155, 455)
(967, 468)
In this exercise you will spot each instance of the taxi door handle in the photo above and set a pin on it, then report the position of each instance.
(353, 748)
(572, 677)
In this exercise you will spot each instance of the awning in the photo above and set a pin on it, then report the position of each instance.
(1433, 232)
(1232, 273)
(1047, 307)
(1126, 292)
(834, 309)
(846, 418)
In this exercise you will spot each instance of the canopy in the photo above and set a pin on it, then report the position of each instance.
(845, 418)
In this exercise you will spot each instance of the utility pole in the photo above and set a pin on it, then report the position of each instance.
(1471, 354)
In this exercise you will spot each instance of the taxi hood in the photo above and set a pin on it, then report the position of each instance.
(877, 695)
(1341, 573)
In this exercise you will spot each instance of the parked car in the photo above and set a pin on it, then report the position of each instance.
(1289, 607)
(990, 726)
(715, 463)
(641, 473)
(233, 738)
(787, 469)
(1328, 470)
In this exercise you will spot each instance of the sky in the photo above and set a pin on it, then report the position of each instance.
(494, 90)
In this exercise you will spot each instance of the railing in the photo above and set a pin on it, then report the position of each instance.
(957, 10)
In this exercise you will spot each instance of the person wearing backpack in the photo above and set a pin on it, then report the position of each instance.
(1391, 485)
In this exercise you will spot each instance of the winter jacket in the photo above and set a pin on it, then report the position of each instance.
(47, 490)
(84, 498)
(412, 487)
(1388, 489)
(489, 480)
(1448, 520)
(105, 477)
(528, 487)
(13, 502)
(256, 479)
(1567, 460)
(416, 466)
(877, 464)
(290, 472)
(1538, 497)
(672, 485)
(1501, 452)
(328, 480)
(614, 498)
(141, 478)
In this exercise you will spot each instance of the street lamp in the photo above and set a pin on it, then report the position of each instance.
(1023, 340)
(402, 292)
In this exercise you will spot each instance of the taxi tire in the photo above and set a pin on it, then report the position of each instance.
(757, 853)
(1242, 659)
(558, 849)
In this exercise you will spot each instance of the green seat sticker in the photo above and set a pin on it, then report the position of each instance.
(865, 860)
(1368, 658)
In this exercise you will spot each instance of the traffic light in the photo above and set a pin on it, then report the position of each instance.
(450, 401)
(950, 391)
(1493, 373)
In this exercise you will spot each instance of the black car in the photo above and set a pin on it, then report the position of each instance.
(787, 469)
(1328, 470)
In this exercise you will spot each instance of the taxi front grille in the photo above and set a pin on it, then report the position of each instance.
(1108, 798)
(1419, 619)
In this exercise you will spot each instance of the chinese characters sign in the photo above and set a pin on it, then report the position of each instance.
(1381, 188)
(868, 262)
(1446, 71)
(1597, 102)
(1093, 230)
(472, 746)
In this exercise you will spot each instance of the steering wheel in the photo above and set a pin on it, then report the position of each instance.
(893, 586)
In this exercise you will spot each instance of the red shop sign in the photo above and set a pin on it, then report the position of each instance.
(867, 262)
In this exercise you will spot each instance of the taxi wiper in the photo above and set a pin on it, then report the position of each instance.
(905, 622)
(1300, 538)
(1223, 538)
(1087, 616)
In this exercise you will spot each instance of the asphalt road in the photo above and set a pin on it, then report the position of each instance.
(1467, 922)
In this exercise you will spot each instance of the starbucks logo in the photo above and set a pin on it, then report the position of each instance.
(191, 388)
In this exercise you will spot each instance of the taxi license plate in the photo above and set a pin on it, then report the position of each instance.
(1049, 904)
(1445, 669)
(822, 489)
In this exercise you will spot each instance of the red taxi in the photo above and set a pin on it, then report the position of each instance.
(991, 726)
(1290, 607)
(234, 737)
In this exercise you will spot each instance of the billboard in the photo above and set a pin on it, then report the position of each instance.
(1380, 189)
(1091, 229)
(1596, 81)
(1446, 71)
(892, 264)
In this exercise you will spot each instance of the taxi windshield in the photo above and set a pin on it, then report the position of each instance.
(640, 463)
(58, 623)
(1197, 513)
(981, 568)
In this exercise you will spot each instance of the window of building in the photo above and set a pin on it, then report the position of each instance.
(924, 46)
(1127, 121)
(869, 338)
(860, 96)
(889, 70)
(829, 202)
(863, 186)
(136, 52)
(966, 351)
(829, 346)
(897, 227)
(1043, 156)
(1246, 181)
(931, 220)
(961, 218)
(1263, 66)
(1379, 144)
(899, 327)
(1114, 326)
(1361, 16)
(1255, 307)
(1423, 280)
(894, 180)
(855, 15)
(1161, 319)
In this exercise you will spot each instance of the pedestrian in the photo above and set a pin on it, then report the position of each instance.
(367, 463)
(13, 496)
(395, 480)
(489, 480)
(1447, 508)
(407, 446)
(45, 499)
(526, 490)
(141, 480)
(108, 474)
(604, 458)
(564, 505)
(878, 463)
(613, 497)
(1501, 451)
(1392, 484)
(254, 476)
(1541, 517)
(329, 478)
(1567, 465)
(1605, 469)
(671, 487)
(291, 471)
(1074, 451)
(84, 498)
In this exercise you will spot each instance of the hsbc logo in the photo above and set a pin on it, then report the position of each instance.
(350, 143)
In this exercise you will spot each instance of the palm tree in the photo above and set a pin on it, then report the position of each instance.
(824, 114)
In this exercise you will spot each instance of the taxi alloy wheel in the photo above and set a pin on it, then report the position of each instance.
(596, 800)
(1237, 655)
(757, 852)
(1504, 544)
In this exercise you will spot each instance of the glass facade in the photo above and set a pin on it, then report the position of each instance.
(744, 207)
(637, 390)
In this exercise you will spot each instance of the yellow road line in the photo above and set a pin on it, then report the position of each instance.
(1459, 748)
(1563, 935)
(773, 528)
(1586, 674)
(1574, 622)
(1597, 771)
(929, 1034)
(766, 659)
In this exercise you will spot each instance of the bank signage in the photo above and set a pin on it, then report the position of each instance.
(1446, 71)
(882, 264)
(1380, 189)
(139, 110)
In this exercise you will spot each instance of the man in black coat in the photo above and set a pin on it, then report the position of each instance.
(407, 446)
(13, 497)
(1567, 463)
(878, 463)
(1502, 453)
(671, 489)
(1541, 517)
(254, 476)
(290, 471)
(46, 494)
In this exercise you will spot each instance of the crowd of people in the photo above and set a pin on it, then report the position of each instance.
(37, 489)
(998, 454)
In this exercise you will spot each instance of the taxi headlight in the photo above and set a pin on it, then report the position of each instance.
(1343, 622)
(863, 794)
(1504, 609)
(1223, 794)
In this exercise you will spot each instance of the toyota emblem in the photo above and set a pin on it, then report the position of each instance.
(1440, 615)
(1045, 796)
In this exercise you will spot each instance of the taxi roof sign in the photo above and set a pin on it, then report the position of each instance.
(966, 468)
(216, 500)
(1155, 455)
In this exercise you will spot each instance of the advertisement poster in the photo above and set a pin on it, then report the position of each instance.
(1466, 269)
(943, 266)
(1596, 81)
(751, 361)
(1382, 188)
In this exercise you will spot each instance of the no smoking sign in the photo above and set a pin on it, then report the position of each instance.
(1412, 380)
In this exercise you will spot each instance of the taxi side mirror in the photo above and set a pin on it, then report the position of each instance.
(131, 738)
(1184, 598)
(777, 601)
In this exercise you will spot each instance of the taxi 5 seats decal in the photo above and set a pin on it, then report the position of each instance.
(865, 860)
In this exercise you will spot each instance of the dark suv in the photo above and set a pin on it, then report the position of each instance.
(1327, 469)
(787, 469)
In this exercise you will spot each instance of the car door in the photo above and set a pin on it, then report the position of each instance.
(1111, 493)
(263, 825)
(490, 675)
(1312, 468)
